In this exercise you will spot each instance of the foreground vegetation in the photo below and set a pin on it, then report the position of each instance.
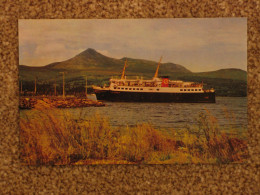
(52, 136)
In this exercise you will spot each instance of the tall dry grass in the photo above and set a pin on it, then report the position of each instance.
(52, 136)
(139, 143)
(209, 142)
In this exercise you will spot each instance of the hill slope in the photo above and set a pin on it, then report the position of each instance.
(226, 82)
(230, 73)
(100, 68)
(92, 63)
(91, 60)
(88, 59)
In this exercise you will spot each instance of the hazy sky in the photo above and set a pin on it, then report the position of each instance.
(198, 44)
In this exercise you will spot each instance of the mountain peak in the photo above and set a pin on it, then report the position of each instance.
(90, 54)
(89, 51)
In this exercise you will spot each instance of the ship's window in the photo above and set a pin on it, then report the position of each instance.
(188, 89)
(184, 89)
(126, 88)
(122, 88)
(133, 88)
(141, 89)
(157, 89)
(181, 89)
(199, 89)
(130, 88)
(195, 89)
(192, 89)
(137, 88)
(118, 88)
(114, 87)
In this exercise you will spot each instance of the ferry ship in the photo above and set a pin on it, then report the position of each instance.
(158, 89)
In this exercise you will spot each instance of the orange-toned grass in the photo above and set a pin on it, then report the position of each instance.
(52, 136)
(209, 142)
(227, 149)
(138, 143)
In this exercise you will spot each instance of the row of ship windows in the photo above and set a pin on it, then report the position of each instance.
(129, 88)
(190, 89)
(157, 89)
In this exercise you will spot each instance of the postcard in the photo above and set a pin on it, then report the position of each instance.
(133, 91)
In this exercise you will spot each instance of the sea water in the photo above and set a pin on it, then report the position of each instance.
(230, 113)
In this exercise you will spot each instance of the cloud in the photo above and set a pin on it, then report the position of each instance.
(200, 40)
(50, 49)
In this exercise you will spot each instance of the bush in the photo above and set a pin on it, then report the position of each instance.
(52, 136)
(140, 142)
(208, 142)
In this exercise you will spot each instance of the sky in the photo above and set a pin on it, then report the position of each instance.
(199, 44)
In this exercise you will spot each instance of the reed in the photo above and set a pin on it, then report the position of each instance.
(209, 142)
(53, 136)
(140, 142)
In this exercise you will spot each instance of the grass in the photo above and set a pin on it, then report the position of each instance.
(51, 136)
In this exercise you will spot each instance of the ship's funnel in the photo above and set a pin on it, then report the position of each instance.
(157, 70)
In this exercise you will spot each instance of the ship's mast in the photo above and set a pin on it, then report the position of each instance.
(157, 70)
(123, 73)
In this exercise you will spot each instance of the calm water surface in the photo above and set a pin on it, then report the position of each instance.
(172, 115)
(169, 116)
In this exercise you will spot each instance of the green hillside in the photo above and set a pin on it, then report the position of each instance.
(99, 68)
(231, 73)
(88, 60)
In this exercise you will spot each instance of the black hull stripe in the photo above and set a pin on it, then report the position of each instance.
(207, 97)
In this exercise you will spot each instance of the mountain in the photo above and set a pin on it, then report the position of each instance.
(226, 82)
(88, 59)
(99, 68)
(230, 73)
(92, 63)
(147, 67)
(91, 60)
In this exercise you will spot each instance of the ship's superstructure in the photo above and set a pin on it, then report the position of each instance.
(158, 89)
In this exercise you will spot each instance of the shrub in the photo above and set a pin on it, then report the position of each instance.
(53, 136)
(214, 144)
(140, 142)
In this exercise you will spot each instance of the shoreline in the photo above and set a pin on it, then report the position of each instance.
(29, 102)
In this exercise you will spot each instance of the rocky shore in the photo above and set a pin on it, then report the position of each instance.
(57, 102)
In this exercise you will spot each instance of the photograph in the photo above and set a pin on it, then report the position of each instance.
(133, 91)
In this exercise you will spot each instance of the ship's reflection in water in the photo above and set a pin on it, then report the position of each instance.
(168, 116)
